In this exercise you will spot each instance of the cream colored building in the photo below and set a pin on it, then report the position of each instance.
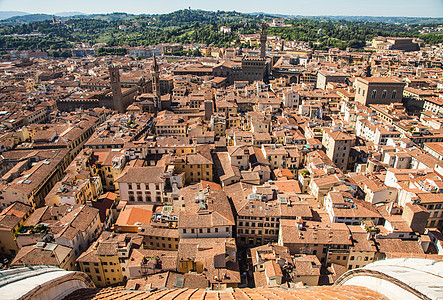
(337, 146)
(378, 90)
(142, 185)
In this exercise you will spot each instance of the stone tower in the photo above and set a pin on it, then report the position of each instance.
(263, 40)
(116, 88)
(209, 109)
(155, 72)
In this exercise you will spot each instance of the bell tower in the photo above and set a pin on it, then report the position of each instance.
(116, 88)
(155, 72)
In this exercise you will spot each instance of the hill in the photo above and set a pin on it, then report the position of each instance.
(197, 27)
(9, 14)
(29, 18)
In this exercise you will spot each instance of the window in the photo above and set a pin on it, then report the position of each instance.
(374, 94)
(351, 258)
(99, 278)
(383, 94)
(227, 229)
(216, 230)
(394, 94)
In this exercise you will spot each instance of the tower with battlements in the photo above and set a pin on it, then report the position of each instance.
(263, 40)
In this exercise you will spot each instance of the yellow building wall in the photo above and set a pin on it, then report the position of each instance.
(359, 259)
(160, 243)
(308, 280)
(234, 123)
(8, 246)
(110, 174)
(219, 129)
(191, 172)
(94, 272)
(69, 264)
(184, 150)
(126, 228)
(338, 258)
(186, 266)
(111, 269)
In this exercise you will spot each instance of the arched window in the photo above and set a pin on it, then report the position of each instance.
(383, 94)
(394, 94)
(374, 94)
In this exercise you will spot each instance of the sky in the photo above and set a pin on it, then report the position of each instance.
(405, 8)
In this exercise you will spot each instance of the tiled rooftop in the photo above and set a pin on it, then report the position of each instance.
(326, 292)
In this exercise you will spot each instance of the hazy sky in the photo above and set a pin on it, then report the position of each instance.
(412, 8)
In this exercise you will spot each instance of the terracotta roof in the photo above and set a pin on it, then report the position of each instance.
(135, 214)
(264, 293)
(46, 254)
(142, 175)
(314, 233)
